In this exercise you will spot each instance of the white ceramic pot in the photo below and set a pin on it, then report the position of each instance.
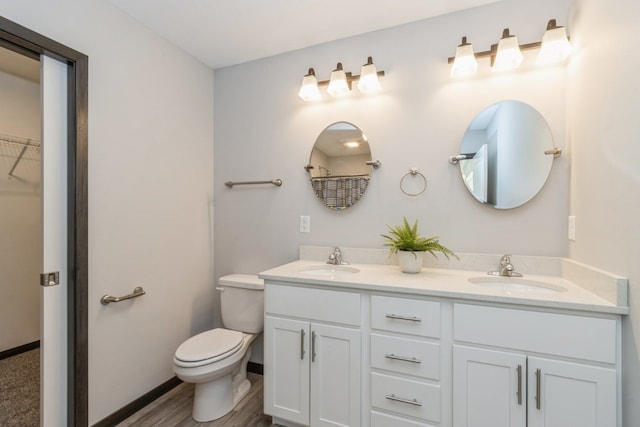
(410, 262)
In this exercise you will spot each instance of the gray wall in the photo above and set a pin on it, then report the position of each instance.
(264, 131)
(603, 129)
(591, 105)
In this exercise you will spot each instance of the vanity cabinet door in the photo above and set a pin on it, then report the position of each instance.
(489, 388)
(286, 369)
(565, 394)
(335, 376)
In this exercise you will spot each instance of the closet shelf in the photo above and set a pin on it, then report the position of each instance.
(23, 143)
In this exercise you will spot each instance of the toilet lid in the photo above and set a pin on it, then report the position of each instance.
(217, 343)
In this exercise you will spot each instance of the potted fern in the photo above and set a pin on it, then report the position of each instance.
(406, 242)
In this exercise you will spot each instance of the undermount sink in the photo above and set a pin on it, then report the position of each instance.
(516, 284)
(329, 270)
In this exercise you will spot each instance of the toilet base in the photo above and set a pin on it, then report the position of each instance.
(215, 399)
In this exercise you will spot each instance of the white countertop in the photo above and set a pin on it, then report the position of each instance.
(448, 283)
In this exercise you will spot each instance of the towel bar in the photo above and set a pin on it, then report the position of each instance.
(277, 182)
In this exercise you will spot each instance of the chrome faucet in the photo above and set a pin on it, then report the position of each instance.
(505, 268)
(335, 257)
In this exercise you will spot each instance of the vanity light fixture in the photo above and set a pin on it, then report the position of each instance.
(465, 62)
(508, 56)
(555, 45)
(507, 53)
(309, 89)
(341, 81)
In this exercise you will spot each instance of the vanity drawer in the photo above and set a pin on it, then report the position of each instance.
(581, 337)
(409, 316)
(313, 304)
(408, 397)
(378, 419)
(406, 356)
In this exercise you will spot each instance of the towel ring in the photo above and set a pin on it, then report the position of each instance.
(413, 172)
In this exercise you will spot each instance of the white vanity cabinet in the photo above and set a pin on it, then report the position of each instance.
(312, 356)
(517, 368)
(386, 349)
(405, 361)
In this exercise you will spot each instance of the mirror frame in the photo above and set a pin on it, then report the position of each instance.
(27, 42)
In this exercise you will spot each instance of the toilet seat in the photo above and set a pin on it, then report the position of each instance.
(208, 347)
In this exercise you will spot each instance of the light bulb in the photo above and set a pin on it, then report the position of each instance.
(338, 85)
(509, 56)
(368, 81)
(464, 63)
(309, 89)
(555, 45)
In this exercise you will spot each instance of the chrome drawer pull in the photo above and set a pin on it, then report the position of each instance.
(401, 400)
(409, 318)
(403, 358)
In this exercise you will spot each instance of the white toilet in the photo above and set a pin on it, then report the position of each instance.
(216, 360)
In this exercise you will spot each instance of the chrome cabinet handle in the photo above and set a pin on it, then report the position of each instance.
(402, 400)
(313, 346)
(301, 344)
(538, 386)
(403, 358)
(409, 318)
(519, 392)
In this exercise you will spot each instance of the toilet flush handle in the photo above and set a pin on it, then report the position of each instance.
(219, 288)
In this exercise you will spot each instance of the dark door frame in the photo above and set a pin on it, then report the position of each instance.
(27, 42)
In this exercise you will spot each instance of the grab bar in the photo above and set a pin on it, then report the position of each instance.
(276, 182)
(137, 292)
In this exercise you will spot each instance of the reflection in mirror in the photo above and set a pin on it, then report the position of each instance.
(506, 164)
(338, 165)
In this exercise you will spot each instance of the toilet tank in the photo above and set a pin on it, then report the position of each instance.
(242, 302)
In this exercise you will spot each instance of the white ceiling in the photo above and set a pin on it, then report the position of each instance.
(227, 32)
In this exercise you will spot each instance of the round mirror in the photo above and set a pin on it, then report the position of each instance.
(339, 165)
(506, 154)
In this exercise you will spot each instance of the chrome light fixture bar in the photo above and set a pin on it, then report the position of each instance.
(340, 83)
(506, 54)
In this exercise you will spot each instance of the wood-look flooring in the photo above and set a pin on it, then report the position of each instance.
(173, 409)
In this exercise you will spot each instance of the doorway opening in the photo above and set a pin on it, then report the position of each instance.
(29, 43)
(21, 243)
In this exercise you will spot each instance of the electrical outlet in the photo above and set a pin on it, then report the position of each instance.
(571, 229)
(305, 223)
